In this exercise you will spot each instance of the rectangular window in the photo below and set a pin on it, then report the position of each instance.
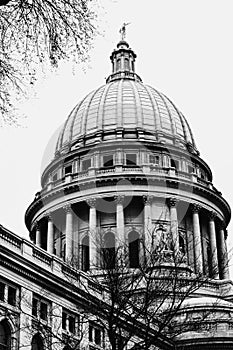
(95, 335)
(64, 317)
(11, 295)
(70, 322)
(175, 164)
(68, 169)
(86, 164)
(153, 159)
(108, 161)
(43, 311)
(2, 291)
(40, 308)
(131, 159)
(55, 177)
(34, 307)
(190, 169)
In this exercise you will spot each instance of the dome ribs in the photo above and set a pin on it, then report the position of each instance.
(86, 111)
(138, 105)
(119, 105)
(101, 111)
(173, 129)
(155, 107)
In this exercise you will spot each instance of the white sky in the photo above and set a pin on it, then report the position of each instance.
(184, 49)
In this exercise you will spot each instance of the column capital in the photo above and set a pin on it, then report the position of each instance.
(147, 199)
(49, 216)
(37, 225)
(195, 208)
(222, 225)
(119, 199)
(67, 208)
(212, 215)
(91, 202)
(172, 202)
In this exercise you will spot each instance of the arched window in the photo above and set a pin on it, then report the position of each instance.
(108, 251)
(118, 64)
(133, 239)
(5, 336)
(126, 64)
(85, 253)
(37, 342)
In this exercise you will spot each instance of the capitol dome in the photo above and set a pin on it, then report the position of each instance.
(125, 108)
(128, 105)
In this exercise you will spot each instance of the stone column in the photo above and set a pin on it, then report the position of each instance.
(172, 203)
(222, 252)
(50, 234)
(197, 239)
(213, 246)
(38, 234)
(120, 221)
(92, 233)
(69, 232)
(148, 231)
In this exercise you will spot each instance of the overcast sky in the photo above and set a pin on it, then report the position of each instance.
(184, 49)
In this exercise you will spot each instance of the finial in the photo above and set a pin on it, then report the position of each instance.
(123, 31)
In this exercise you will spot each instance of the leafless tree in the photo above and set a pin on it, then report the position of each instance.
(38, 33)
(142, 297)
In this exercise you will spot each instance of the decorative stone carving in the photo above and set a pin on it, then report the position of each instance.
(49, 216)
(91, 202)
(195, 208)
(212, 215)
(67, 208)
(119, 199)
(172, 202)
(147, 199)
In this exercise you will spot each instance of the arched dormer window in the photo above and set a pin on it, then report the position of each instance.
(108, 251)
(5, 336)
(133, 239)
(37, 342)
(85, 253)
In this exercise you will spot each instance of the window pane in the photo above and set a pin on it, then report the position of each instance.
(130, 159)
(98, 336)
(43, 311)
(72, 324)
(11, 296)
(2, 291)
(34, 307)
(64, 316)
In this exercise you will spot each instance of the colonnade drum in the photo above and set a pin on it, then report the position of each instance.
(79, 231)
(126, 172)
